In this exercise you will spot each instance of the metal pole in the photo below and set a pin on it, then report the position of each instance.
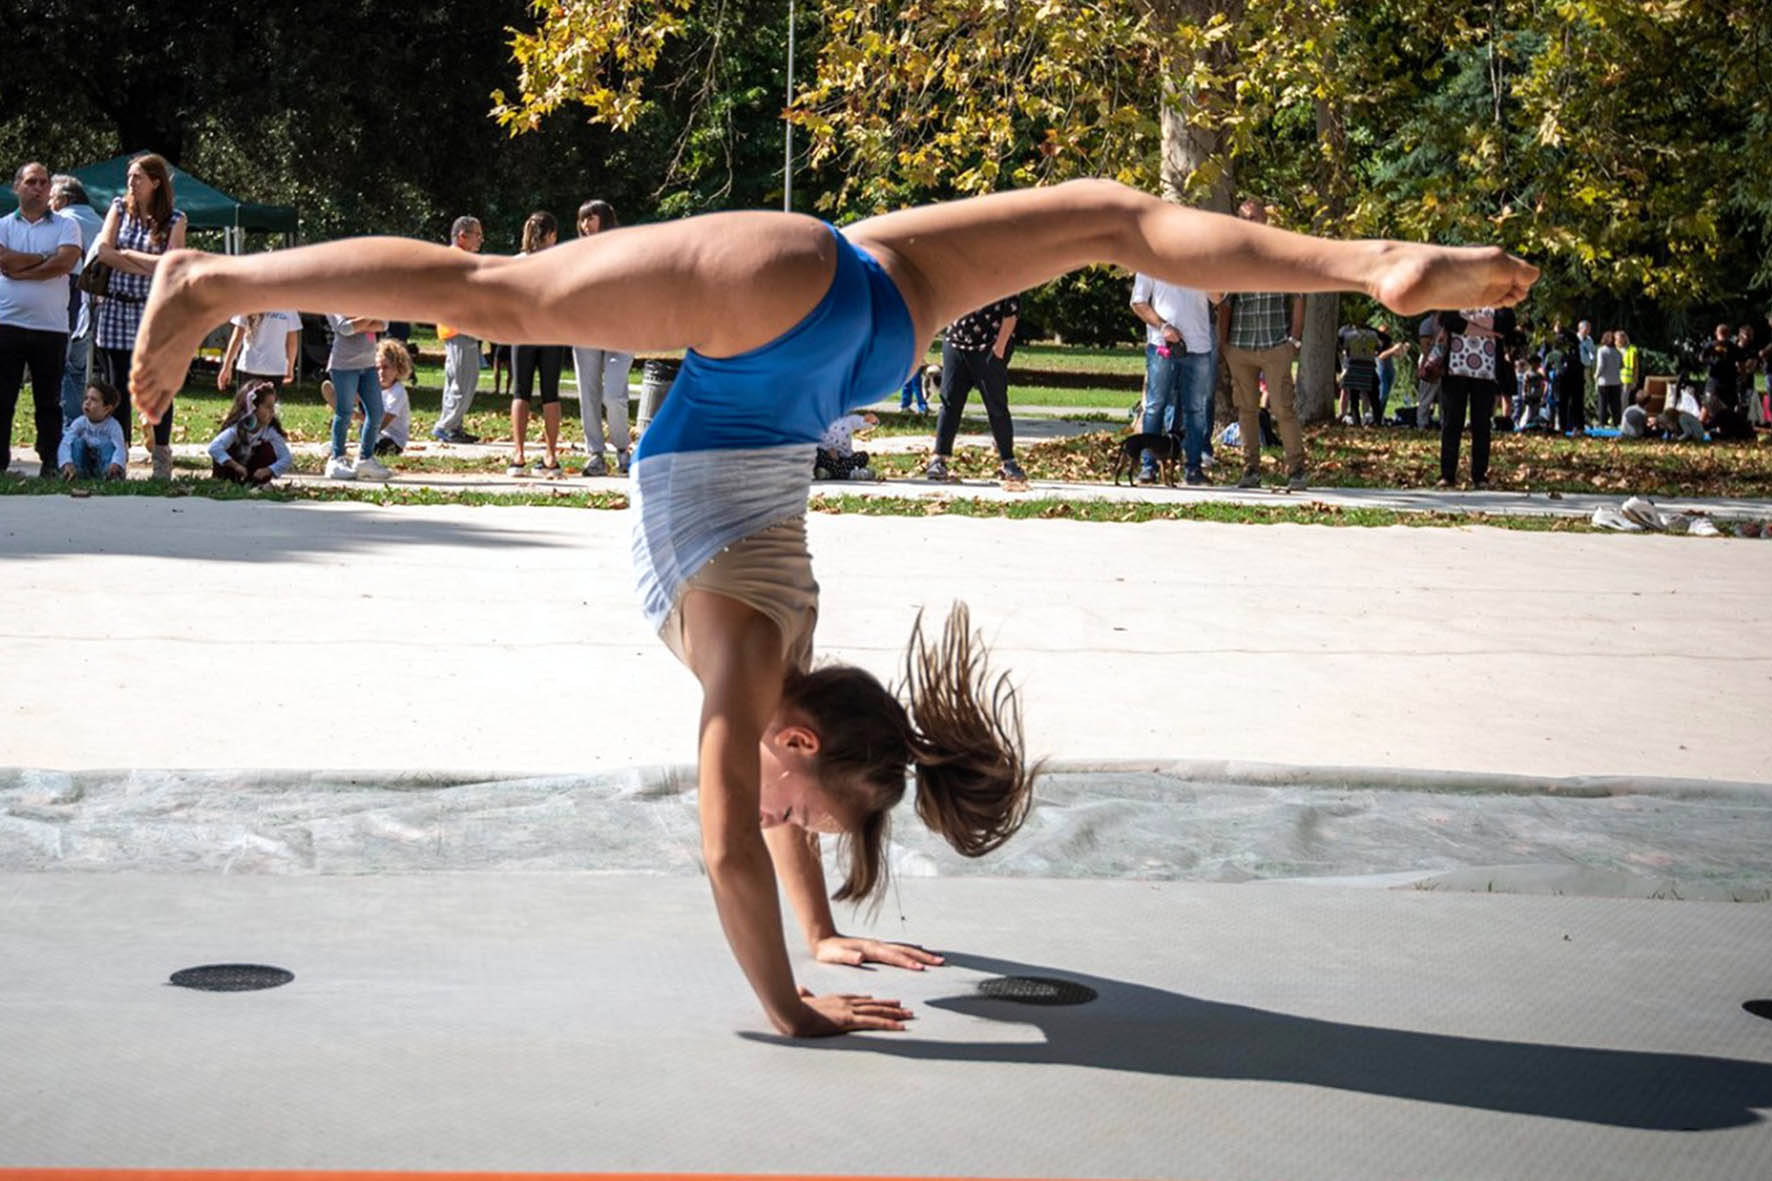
(787, 161)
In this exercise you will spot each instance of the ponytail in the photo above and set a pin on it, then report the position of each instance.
(973, 784)
(961, 737)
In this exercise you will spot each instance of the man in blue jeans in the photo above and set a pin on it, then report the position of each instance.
(1180, 368)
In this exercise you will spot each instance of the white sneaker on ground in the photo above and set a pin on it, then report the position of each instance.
(518, 471)
(372, 468)
(339, 468)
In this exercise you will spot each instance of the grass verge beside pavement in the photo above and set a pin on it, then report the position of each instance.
(558, 495)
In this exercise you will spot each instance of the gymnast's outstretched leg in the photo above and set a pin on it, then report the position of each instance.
(950, 258)
(720, 284)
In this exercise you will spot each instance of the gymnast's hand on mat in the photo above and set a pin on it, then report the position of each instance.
(845, 1012)
(841, 949)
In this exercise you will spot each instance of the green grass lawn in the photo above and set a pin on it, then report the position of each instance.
(1339, 456)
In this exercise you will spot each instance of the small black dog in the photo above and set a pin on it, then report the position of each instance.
(1166, 446)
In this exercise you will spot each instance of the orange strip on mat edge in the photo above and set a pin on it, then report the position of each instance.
(64, 1174)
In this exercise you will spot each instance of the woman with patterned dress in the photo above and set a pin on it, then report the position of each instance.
(138, 231)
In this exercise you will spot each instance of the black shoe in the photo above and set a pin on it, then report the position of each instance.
(461, 437)
(1010, 472)
(1196, 479)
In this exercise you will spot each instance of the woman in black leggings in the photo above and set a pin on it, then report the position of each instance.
(1477, 355)
(540, 231)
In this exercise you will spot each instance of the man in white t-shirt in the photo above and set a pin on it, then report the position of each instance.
(1179, 367)
(37, 250)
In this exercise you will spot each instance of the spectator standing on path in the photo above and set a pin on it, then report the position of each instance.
(1609, 379)
(1570, 378)
(528, 361)
(1179, 369)
(351, 370)
(67, 196)
(602, 374)
(975, 350)
(37, 250)
(141, 226)
(1262, 335)
(1388, 352)
(1427, 390)
(1763, 372)
(461, 352)
(1473, 363)
(262, 347)
(1360, 345)
(1724, 360)
(1630, 368)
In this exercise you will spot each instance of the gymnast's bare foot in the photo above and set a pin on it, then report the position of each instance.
(176, 319)
(1413, 277)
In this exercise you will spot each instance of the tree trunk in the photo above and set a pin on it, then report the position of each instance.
(1316, 363)
(1322, 312)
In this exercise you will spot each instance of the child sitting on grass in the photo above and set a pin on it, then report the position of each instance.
(251, 448)
(93, 446)
(393, 366)
(837, 457)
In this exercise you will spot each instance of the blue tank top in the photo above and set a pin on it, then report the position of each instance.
(852, 349)
(730, 452)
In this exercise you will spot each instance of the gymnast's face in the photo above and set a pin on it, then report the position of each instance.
(790, 791)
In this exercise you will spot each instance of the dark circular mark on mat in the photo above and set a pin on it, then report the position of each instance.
(1036, 990)
(231, 977)
(1759, 1008)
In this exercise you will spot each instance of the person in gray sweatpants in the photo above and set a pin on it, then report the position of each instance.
(602, 374)
(461, 353)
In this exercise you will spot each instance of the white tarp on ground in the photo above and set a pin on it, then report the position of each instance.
(1689, 842)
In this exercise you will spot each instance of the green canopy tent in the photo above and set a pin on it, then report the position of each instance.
(206, 207)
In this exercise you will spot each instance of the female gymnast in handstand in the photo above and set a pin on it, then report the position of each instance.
(790, 323)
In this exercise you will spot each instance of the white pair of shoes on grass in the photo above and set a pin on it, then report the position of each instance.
(367, 468)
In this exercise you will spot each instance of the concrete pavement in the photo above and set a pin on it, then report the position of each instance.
(586, 1019)
(507, 638)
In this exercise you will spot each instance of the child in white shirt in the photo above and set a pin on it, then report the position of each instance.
(837, 457)
(93, 446)
(251, 448)
(393, 366)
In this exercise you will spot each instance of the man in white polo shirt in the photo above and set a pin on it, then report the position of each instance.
(37, 250)
(1179, 367)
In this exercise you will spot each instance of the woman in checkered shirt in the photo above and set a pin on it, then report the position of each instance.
(140, 228)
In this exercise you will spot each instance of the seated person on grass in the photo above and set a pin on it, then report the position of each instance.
(251, 447)
(93, 446)
(837, 457)
(393, 368)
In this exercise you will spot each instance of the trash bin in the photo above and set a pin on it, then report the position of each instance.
(655, 382)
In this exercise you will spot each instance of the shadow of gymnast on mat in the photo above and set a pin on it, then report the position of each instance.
(1152, 1031)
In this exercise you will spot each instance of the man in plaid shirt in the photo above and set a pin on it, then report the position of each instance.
(1261, 333)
